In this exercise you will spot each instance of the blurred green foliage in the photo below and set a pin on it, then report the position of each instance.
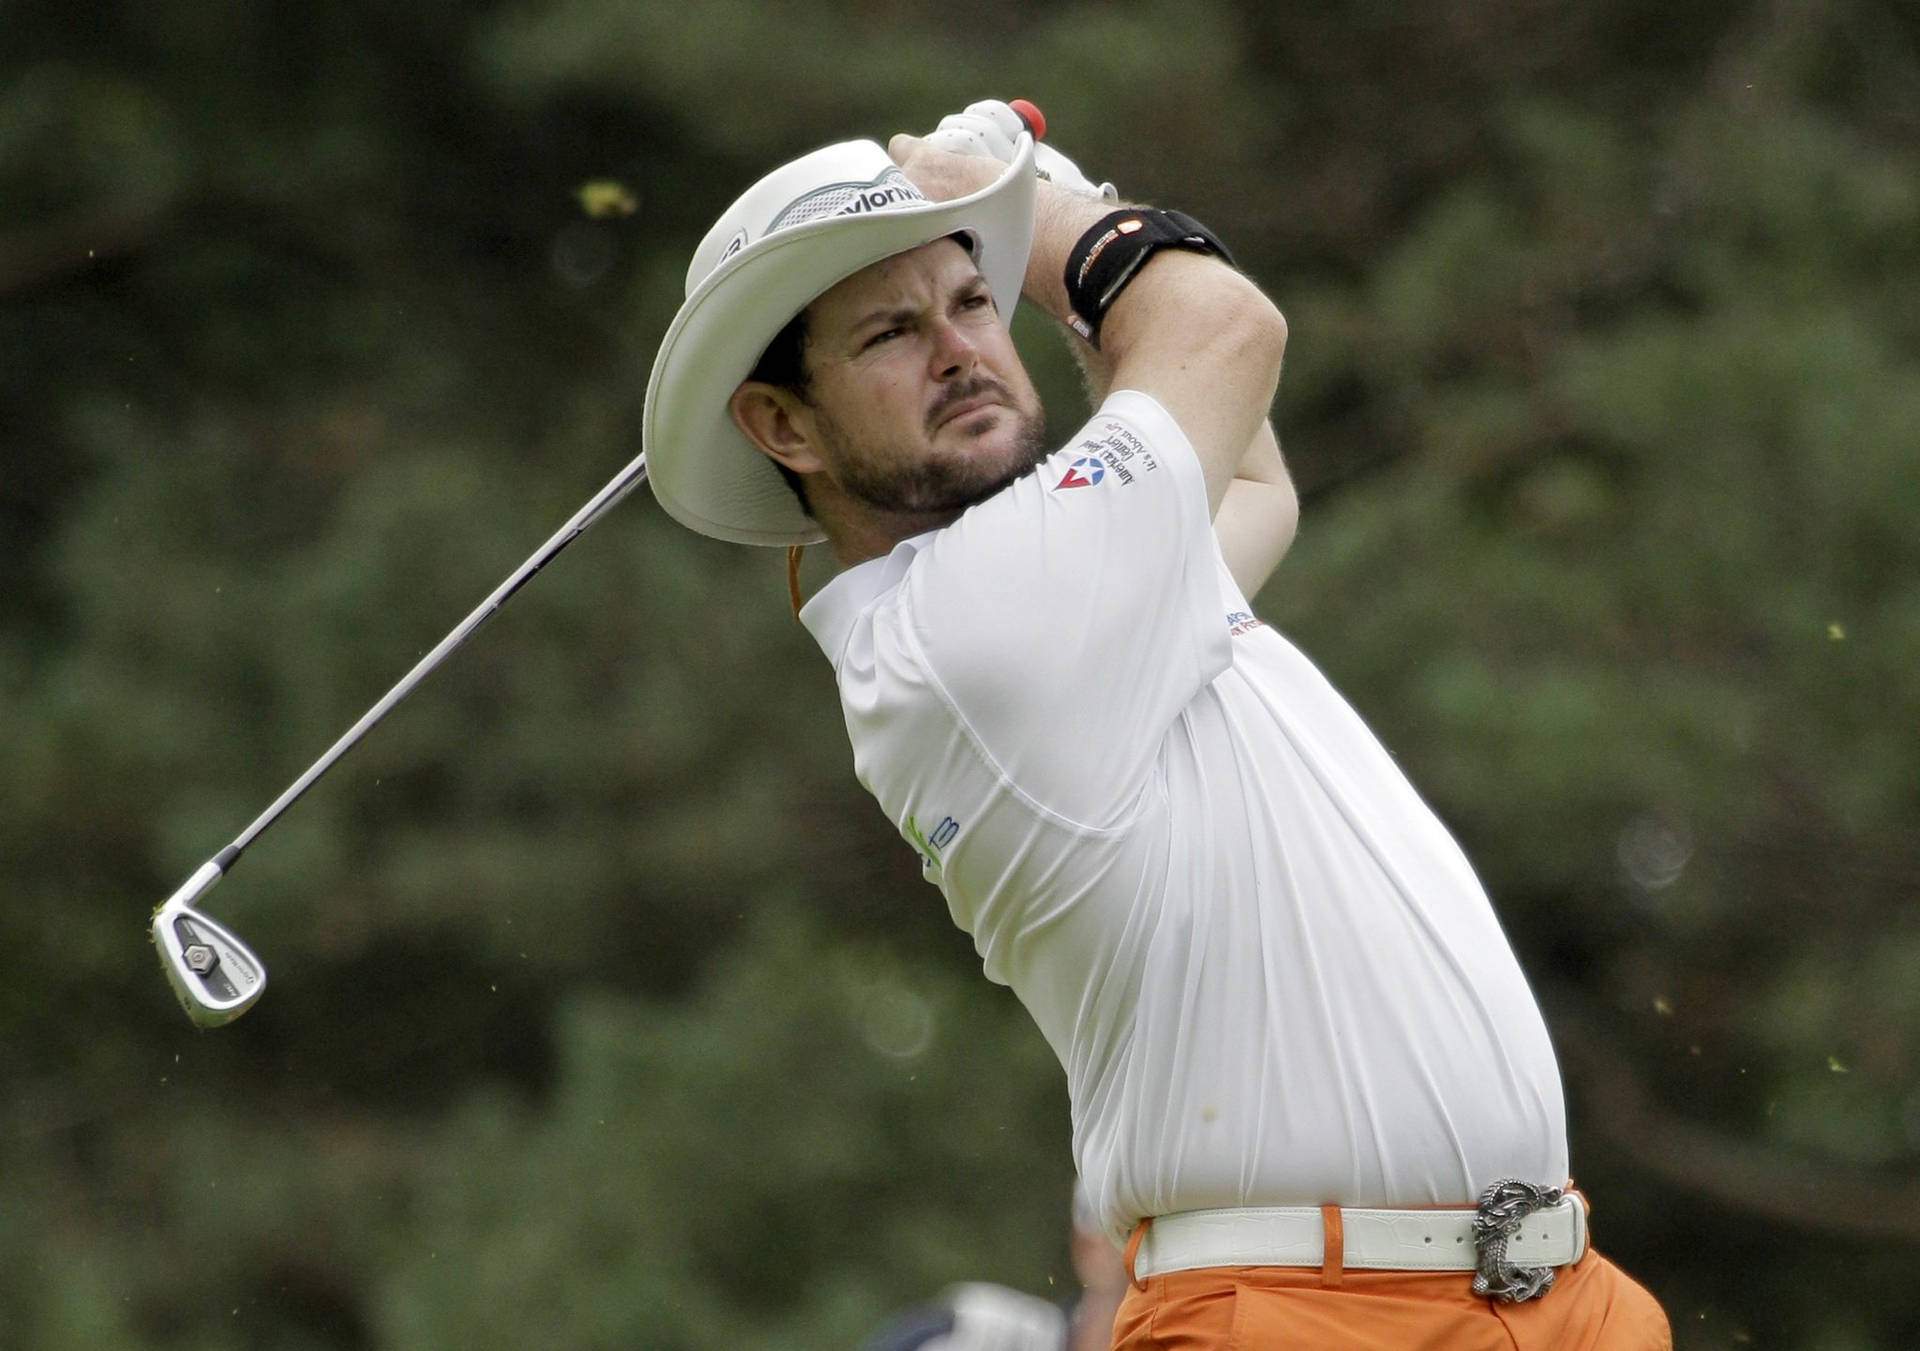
(606, 1010)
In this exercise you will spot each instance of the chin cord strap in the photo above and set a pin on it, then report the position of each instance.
(793, 577)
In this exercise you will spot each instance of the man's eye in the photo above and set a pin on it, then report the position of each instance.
(979, 300)
(884, 335)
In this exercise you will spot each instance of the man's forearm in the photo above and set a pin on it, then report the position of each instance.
(1258, 515)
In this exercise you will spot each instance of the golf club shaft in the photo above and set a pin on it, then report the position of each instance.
(211, 871)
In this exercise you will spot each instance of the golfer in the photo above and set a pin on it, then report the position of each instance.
(1311, 1092)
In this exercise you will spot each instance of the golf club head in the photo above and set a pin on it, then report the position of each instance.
(215, 975)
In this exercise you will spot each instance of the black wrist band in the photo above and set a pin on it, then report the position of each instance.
(1108, 256)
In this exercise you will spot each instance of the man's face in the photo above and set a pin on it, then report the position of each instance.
(918, 401)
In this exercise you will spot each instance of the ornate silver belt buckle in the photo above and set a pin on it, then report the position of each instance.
(1498, 1216)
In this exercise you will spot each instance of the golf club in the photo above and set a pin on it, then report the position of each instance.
(215, 975)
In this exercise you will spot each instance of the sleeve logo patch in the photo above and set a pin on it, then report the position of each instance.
(1114, 450)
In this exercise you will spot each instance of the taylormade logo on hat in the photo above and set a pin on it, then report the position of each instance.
(822, 189)
(879, 198)
(892, 188)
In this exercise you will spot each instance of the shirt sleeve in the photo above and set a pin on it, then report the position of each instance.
(1070, 619)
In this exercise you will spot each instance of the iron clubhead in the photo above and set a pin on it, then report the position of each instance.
(215, 975)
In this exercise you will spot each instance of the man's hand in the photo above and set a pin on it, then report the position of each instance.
(941, 174)
(991, 129)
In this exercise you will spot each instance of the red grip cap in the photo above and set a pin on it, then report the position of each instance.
(1036, 122)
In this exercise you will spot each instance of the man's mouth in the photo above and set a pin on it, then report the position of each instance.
(972, 403)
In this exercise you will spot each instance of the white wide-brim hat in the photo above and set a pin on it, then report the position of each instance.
(790, 237)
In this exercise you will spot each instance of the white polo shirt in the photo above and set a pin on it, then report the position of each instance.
(1269, 972)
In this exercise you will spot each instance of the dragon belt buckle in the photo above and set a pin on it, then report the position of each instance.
(1497, 1218)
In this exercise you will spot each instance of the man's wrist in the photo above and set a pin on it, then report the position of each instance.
(1060, 218)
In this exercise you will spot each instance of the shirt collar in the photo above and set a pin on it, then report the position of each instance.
(837, 606)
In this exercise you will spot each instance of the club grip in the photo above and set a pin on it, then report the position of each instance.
(1030, 114)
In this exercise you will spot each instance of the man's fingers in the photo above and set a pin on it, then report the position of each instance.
(957, 142)
(902, 146)
(969, 133)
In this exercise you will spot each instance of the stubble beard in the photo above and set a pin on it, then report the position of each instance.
(911, 483)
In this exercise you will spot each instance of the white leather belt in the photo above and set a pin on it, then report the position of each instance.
(1376, 1240)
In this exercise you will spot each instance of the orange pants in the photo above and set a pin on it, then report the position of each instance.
(1593, 1306)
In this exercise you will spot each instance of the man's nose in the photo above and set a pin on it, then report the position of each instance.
(954, 353)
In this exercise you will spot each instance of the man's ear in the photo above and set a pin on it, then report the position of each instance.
(774, 419)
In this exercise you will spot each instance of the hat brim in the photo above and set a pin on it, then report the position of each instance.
(702, 468)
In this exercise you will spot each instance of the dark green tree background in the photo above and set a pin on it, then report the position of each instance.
(606, 1010)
